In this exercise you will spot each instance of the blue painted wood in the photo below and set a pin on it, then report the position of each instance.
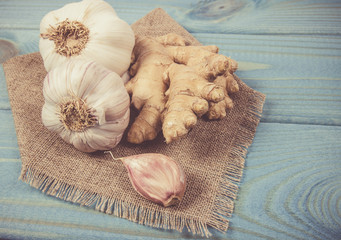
(299, 74)
(289, 50)
(290, 190)
(272, 64)
(209, 16)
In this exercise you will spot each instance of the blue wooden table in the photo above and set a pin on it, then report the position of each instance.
(291, 187)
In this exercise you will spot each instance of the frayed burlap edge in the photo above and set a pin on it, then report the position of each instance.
(228, 187)
(224, 201)
(110, 205)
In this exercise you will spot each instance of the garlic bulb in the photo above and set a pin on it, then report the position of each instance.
(156, 177)
(86, 104)
(88, 30)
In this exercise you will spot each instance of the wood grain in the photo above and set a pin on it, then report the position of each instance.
(8, 49)
(297, 73)
(291, 187)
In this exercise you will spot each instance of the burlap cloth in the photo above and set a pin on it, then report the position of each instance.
(212, 155)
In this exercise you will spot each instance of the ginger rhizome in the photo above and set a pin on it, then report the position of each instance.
(173, 84)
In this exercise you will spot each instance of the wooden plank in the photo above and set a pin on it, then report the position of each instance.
(251, 17)
(263, 17)
(8, 139)
(292, 182)
(28, 15)
(299, 74)
(289, 50)
(290, 190)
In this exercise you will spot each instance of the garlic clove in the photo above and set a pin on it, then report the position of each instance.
(156, 177)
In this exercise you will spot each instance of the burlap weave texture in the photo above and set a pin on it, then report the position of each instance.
(212, 154)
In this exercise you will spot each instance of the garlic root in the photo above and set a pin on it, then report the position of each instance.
(86, 104)
(89, 30)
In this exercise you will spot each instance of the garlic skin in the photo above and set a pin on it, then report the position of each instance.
(89, 30)
(156, 177)
(86, 104)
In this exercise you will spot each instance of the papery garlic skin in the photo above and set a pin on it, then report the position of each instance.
(86, 104)
(109, 40)
(156, 177)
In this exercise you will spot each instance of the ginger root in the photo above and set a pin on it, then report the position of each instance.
(173, 84)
